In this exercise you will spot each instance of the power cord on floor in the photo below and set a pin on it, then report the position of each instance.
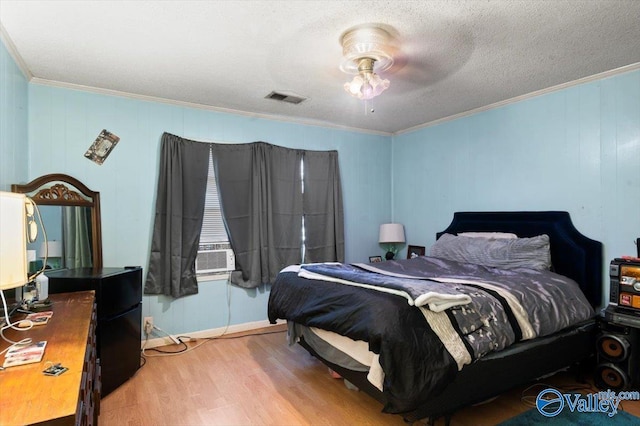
(184, 348)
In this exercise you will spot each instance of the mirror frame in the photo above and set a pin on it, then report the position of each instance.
(60, 194)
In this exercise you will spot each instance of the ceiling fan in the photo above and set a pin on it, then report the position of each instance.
(367, 50)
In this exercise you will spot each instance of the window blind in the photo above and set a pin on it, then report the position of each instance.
(213, 230)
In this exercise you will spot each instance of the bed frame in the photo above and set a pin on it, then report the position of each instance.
(572, 255)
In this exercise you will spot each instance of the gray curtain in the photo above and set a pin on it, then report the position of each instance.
(263, 207)
(182, 185)
(322, 207)
(76, 231)
(261, 200)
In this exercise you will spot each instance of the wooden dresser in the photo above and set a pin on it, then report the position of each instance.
(27, 396)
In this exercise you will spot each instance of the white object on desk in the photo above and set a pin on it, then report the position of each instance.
(42, 284)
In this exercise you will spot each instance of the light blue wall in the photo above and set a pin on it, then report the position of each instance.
(13, 122)
(64, 122)
(577, 150)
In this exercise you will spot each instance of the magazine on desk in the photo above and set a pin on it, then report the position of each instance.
(40, 318)
(24, 354)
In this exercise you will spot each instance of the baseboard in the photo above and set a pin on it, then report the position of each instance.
(212, 332)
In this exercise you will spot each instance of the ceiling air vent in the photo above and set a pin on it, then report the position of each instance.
(292, 99)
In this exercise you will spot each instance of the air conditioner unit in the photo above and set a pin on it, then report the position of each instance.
(214, 258)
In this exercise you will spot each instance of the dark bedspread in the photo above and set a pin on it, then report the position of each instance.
(415, 361)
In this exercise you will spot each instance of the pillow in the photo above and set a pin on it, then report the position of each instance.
(504, 253)
(492, 235)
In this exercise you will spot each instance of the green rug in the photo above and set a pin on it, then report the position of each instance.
(566, 417)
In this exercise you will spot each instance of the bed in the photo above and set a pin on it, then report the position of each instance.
(427, 355)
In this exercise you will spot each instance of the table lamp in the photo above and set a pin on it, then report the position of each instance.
(391, 234)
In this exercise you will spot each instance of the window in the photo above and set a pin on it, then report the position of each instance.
(302, 248)
(213, 230)
(214, 252)
(282, 206)
(246, 169)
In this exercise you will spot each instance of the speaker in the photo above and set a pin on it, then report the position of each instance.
(618, 357)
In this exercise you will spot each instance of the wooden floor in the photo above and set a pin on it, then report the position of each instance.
(260, 380)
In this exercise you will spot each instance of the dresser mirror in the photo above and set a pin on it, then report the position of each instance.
(70, 214)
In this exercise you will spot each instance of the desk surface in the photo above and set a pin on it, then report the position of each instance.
(26, 395)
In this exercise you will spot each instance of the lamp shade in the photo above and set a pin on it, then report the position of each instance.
(13, 243)
(391, 233)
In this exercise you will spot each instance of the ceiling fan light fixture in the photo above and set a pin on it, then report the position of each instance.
(366, 49)
(367, 84)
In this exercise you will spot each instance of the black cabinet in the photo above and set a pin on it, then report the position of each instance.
(119, 301)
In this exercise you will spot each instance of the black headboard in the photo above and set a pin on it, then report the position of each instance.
(572, 254)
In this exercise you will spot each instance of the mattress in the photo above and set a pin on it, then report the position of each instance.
(340, 350)
(355, 355)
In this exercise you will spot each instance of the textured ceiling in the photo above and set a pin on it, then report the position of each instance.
(455, 56)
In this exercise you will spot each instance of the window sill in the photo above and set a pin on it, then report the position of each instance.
(219, 276)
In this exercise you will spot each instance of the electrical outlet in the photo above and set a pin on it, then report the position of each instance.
(148, 325)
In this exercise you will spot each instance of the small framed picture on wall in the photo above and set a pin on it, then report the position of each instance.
(102, 147)
(415, 251)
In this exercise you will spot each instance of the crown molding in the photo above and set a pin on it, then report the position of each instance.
(146, 98)
(4, 36)
(600, 76)
(307, 122)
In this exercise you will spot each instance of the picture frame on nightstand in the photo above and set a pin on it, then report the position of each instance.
(415, 251)
(375, 259)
